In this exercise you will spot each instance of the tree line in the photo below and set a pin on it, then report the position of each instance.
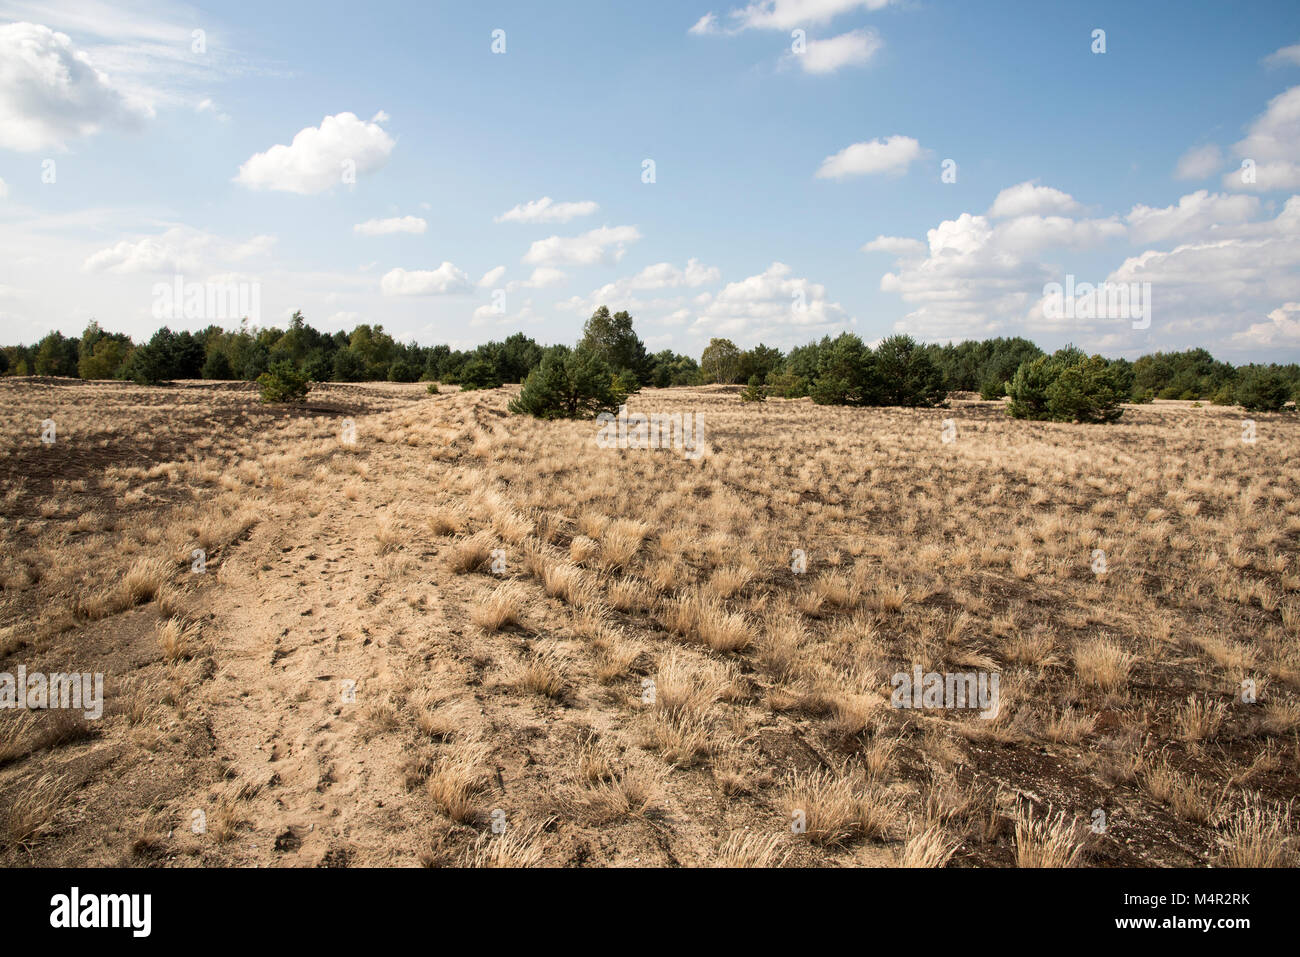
(1067, 385)
(366, 354)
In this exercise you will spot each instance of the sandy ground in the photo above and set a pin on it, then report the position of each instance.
(339, 701)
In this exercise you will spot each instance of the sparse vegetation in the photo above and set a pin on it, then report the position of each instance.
(468, 601)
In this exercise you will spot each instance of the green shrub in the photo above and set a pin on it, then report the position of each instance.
(754, 391)
(107, 356)
(787, 385)
(479, 374)
(832, 390)
(1068, 386)
(1263, 390)
(568, 384)
(846, 373)
(615, 342)
(669, 369)
(1226, 394)
(626, 383)
(1028, 389)
(56, 355)
(1086, 390)
(905, 374)
(433, 389)
(284, 383)
(167, 355)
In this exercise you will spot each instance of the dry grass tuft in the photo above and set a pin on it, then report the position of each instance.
(1259, 835)
(517, 847)
(503, 607)
(929, 848)
(1199, 719)
(541, 673)
(747, 849)
(635, 793)
(1103, 664)
(145, 578)
(178, 640)
(457, 778)
(469, 554)
(1047, 841)
(823, 806)
(33, 810)
(1188, 797)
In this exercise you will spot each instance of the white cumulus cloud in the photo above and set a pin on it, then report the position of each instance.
(319, 157)
(621, 293)
(773, 304)
(604, 245)
(52, 93)
(1030, 199)
(848, 49)
(1281, 329)
(1194, 214)
(491, 277)
(1029, 234)
(667, 276)
(446, 280)
(180, 249)
(494, 315)
(900, 246)
(891, 156)
(1272, 143)
(981, 276)
(544, 276)
(1226, 272)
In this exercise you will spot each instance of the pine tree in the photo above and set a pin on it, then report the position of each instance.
(568, 384)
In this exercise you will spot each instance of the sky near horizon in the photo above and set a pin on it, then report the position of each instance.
(770, 171)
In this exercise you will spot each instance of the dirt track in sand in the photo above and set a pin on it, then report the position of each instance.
(308, 606)
(308, 603)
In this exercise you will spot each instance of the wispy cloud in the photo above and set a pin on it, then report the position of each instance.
(784, 14)
(386, 227)
(546, 210)
(1287, 56)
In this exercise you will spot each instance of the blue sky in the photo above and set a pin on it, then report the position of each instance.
(773, 168)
